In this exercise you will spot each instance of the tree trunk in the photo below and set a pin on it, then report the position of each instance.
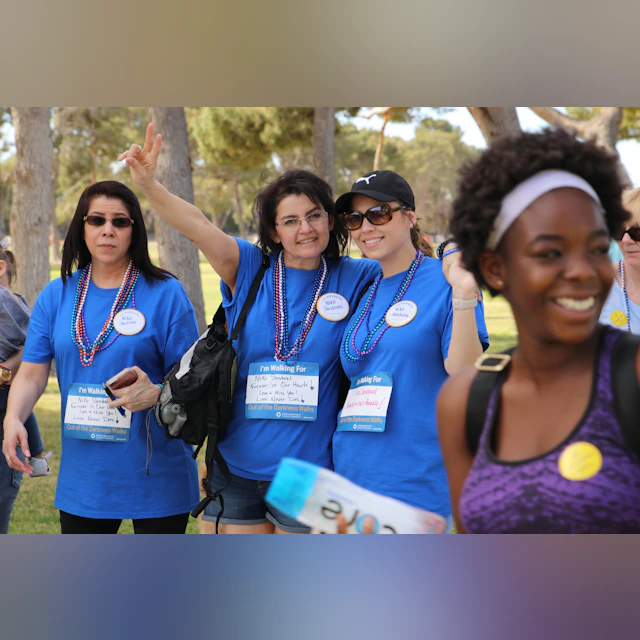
(495, 121)
(324, 132)
(239, 209)
(378, 157)
(31, 209)
(55, 232)
(3, 231)
(177, 254)
(603, 128)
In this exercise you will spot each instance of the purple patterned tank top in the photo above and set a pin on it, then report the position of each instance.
(565, 490)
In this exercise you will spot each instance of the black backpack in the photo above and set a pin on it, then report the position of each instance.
(626, 392)
(195, 402)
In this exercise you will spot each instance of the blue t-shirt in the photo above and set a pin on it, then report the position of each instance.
(614, 306)
(253, 448)
(404, 461)
(109, 479)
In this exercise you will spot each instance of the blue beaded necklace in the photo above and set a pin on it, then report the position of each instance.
(283, 350)
(625, 295)
(349, 341)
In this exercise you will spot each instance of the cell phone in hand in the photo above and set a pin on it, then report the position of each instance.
(123, 379)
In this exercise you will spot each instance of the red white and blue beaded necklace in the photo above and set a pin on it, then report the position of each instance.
(283, 350)
(79, 336)
(349, 341)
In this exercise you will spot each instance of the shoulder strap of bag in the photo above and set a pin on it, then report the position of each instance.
(626, 389)
(213, 452)
(491, 369)
(251, 296)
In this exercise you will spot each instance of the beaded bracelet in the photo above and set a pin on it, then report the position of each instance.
(449, 252)
(442, 245)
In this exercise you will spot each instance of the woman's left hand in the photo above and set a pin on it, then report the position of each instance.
(142, 394)
(462, 282)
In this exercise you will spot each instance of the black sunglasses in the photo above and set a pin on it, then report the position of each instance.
(118, 223)
(633, 231)
(380, 214)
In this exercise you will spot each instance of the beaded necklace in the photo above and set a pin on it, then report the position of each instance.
(79, 335)
(349, 342)
(283, 351)
(625, 295)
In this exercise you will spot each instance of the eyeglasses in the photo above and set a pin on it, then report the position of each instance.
(634, 233)
(293, 223)
(118, 223)
(380, 214)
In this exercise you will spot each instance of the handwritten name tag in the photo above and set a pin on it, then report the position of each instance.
(88, 417)
(333, 307)
(401, 313)
(128, 322)
(281, 391)
(367, 403)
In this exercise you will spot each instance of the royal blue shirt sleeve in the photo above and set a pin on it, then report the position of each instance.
(183, 327)
(39, 343)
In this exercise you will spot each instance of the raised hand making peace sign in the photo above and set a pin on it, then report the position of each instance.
(142, 161)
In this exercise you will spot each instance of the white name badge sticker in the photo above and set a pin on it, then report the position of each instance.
(367, 403)
(128, 322)
(281, 391)
(401, 313)
(88, 417)
(333, 307)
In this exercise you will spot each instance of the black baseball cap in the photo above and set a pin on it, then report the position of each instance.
(385, 186)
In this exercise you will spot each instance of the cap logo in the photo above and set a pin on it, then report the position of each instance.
(366, 178)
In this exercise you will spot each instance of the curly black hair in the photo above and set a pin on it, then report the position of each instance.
(510, 160)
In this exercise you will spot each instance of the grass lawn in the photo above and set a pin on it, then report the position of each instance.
(34, 511)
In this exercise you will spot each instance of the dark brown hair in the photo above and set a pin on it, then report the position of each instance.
(75, 250)
(297, 182)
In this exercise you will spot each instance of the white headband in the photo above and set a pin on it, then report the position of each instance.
(527, 192)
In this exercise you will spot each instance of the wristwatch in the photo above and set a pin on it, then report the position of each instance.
(5, 375)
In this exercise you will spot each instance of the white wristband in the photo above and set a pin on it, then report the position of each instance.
(464, 304)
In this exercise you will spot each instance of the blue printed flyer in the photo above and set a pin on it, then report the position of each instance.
(282, 391)
(88, 416)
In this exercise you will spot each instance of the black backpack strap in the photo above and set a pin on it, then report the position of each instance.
(213, 455)
(492, 367)
(251, 296)
(626, 388)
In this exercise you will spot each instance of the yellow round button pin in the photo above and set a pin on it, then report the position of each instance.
(580, 461)
(619, 318)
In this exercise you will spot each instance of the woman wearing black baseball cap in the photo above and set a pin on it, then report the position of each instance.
(418, 322)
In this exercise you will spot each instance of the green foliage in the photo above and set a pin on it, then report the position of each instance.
(87, 142)
(629, 128)
(430, 164)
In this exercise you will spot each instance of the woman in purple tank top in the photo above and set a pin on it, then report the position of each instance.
(533, 217)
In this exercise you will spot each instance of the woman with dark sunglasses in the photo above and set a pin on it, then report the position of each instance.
(295, 324)
(534, 216)
(416, 324)
(115, 310)
(622, 306)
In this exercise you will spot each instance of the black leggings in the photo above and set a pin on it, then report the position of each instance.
(77, 524)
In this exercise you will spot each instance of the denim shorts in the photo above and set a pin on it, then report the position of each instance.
(244, 503)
